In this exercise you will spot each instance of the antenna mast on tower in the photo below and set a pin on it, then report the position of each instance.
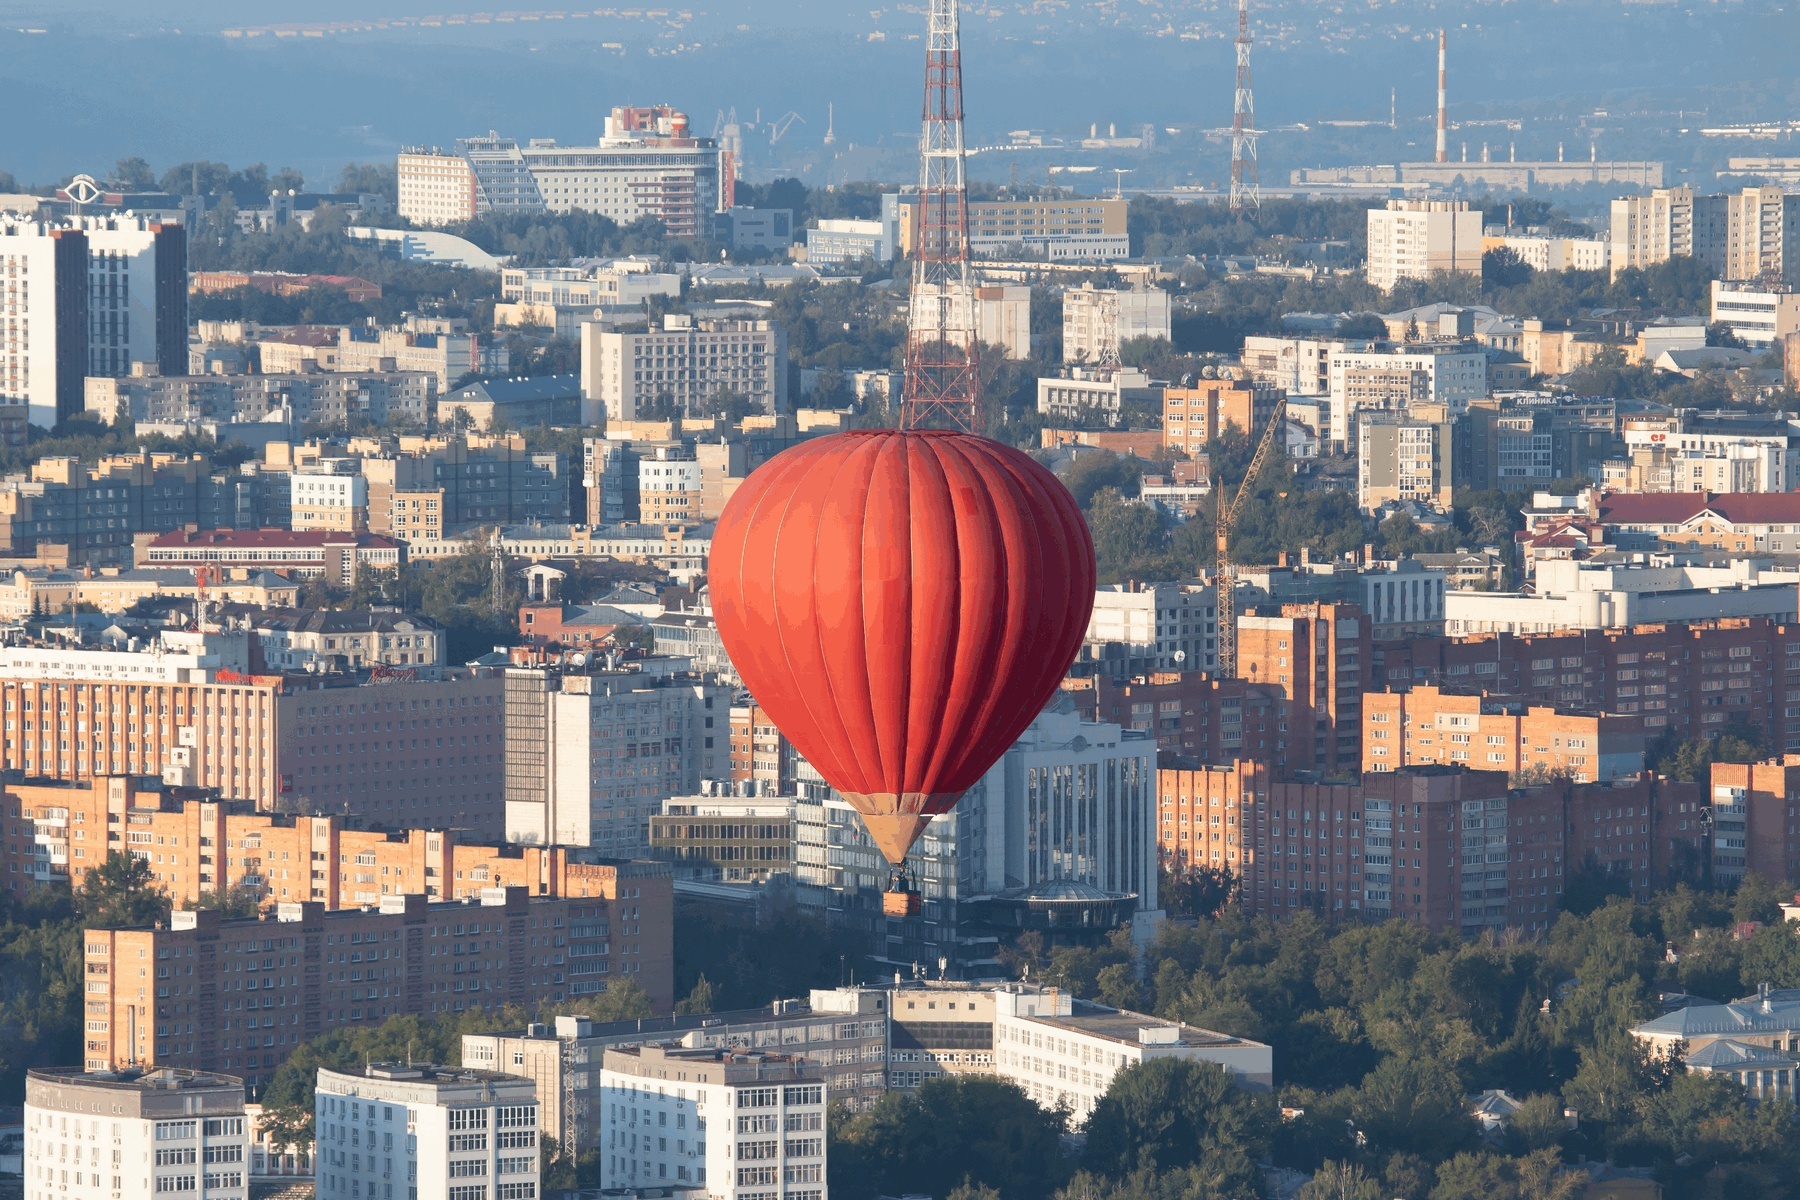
(1246, 188)
(943, 370)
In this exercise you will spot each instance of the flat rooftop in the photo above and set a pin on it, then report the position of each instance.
(1097, 1020)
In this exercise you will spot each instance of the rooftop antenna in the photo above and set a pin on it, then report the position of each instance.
(1443, 145)
(830, 123)
(1393, 114)
(1246, 189)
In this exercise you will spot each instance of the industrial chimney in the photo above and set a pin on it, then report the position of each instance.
(1443, 145)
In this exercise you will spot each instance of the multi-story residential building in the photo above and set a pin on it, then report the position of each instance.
(113, 590)
(1753, 809)
(1544, 253)
(1069, 806)
(1142, 627)
(835, 241)
(1536, 437)
(843, 1032)
(45, 327)
(1611, 594)
(1688, 451)
(331, 494)
(1426, 725)
(137, 294)
(647, 165)
(669, 486)
(455, 1132)
(308, 399)
(307, 971)
(336, 557)
(1096, 322)
(440, 347)
(733, 835)
(1319, 656)
(1403, 597)
(330, 640)
(1399, 376)
(1094, 395)
(102, 1133)
(1065, 1052)
(626, 284)
(90, 514)
(684, 366)
(1415, 239)
(1190, 714)
(741, 1126)
(1299, 366)
(1196, 415)
(1004, 313)
(1402, 458)
(760, 752)
(591, 753)
(1751, 235)
(1762, 314)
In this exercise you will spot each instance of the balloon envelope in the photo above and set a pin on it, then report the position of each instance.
(903, 603)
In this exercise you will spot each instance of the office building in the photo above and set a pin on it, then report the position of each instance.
(727, 834)
(1095, 395)
(1138, 628)
(738, 1125)
(1762, 314)
(1403, 597)
(1569, 594)
(836, 241)
(682, 368)
(841, 1032)
(100, 1134)
(591, 754)
(1416, 239)
(1196, 415)
(290, 973)
(335, 557)
(646, 165)
(1069, 229)
(1689, 451)
(454, 1132)
(1486, 733)
(45, 327)
(1064, 1052)
(757, 228)
(1534, 437)
(1402, 458)
(1096, 322)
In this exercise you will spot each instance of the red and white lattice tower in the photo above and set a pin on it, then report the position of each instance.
(1246, 189)
(943, 368)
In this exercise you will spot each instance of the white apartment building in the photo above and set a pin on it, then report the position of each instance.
(1557, 254)
(1004, 312)
(1706, 455)
(1161, 626)
(137, 295)
(1398, 376)
(441, 348)
(332, 495)
(731, 1125)
(405, 1131)
(646, 165)
(617, 285)
(1760, 314)
(1064, 1051)
(1415, 239)
(684, 364)
(1300, 366)
(1097, 321)
(590, 758)
(104, 1135)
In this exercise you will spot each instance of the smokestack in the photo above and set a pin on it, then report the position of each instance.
(1443, 145)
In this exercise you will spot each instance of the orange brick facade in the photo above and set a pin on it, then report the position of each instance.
(1427, 725)
(1320, 658)
(239, 996)
(759, 751)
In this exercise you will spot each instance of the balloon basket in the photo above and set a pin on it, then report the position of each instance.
(900, 904)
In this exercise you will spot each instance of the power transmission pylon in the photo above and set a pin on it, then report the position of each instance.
(943, 369)
(1246, 187)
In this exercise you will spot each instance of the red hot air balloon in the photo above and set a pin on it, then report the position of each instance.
(903, 603)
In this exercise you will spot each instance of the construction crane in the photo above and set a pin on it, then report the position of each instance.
(780, 127)
(1225, 571)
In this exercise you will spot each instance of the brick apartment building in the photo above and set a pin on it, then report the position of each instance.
(1191, 714)
(1427, 725)
(197, 845)
(207, 992)
(1320, 657)
(1450, 848)
(1755, 807)
(759, 751)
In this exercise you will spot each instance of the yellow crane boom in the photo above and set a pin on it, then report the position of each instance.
(1225, 576)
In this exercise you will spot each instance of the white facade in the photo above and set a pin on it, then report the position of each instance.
(1005, 316)
(731, 1126)
(1415, 239)
(1097, 321)
(33, 292)
(1560, 254)
(683, 364)
(1087, 393)
(1452, 374)
(1064, 1052)
(583, 287)
(1720, 459)
(1171, 626)
(1758, 314)
(589, 763)
(112, 1134)
(179, 657)
(1299, 366)
(1587, 595)
(833, 242)
(327, 499)
(435, 188)
(122, 276)
(409, 1132)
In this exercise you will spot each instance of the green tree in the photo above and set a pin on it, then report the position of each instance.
(623, 1000)
(234, 904)
(1168, 1114)
(1340, 1181)
(698, 1001)
(121, 893)
(134, 174)
(1414, 1104)
(1502, 267)
(956, 1130)
(1537, 1124)
(1538, 1176)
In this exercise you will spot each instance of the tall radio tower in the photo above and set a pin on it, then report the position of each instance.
(1443, 124)
(943, 371)
(1246, 189)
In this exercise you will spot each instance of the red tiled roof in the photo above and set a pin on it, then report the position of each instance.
(267, 539)
(1673, 508)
